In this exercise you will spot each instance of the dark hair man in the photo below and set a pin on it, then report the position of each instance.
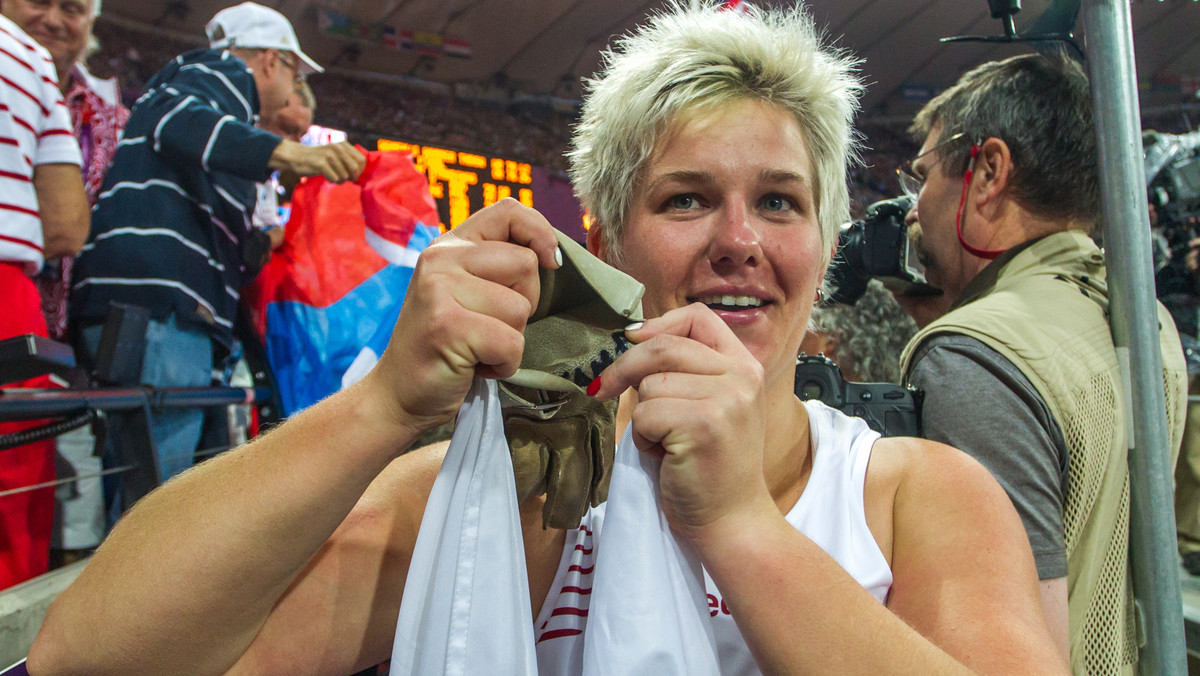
(1022, 372)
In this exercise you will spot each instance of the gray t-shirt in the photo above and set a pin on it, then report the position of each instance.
(979, 402)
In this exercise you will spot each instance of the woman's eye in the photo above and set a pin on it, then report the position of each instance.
(776, 203)
(682, 202)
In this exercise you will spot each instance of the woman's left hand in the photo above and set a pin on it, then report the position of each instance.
(700, 404)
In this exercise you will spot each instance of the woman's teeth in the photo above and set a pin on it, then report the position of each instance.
(732, 301)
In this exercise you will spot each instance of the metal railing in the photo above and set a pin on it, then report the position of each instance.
(134, 410)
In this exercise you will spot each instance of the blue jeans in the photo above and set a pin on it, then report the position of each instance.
(176, 356)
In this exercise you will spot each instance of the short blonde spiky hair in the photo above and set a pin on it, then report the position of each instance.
(700, 55)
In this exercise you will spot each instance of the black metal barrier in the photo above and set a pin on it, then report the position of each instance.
(104, 395)
(134, 409)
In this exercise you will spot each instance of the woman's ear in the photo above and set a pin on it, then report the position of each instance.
(596, 244)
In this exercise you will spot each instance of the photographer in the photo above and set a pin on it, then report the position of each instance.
(1021, 371)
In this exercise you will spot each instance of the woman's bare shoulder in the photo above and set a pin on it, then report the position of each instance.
(896, 460)
(908, 470)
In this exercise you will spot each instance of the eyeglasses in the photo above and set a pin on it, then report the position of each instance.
(293, 66)
(910, 183)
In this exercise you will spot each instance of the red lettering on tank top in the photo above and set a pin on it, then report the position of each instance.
(716, 605)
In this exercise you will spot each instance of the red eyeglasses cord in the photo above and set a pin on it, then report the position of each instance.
(989, 254)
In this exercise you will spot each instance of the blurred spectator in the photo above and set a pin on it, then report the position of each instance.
(293, 120)
(171, 231)
(64, 28)
(865, 339)
(290, 122)
(43, 214)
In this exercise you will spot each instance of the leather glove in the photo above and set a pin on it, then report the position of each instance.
(563, 441)
(562, 446)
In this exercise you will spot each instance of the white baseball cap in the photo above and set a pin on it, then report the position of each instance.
(252, 26)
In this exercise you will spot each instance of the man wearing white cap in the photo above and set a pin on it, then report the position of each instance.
(171, 230)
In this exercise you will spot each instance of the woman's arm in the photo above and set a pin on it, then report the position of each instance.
(190, 576)
(339, 616)
(964, 574)
(965, 593)
(964, 597)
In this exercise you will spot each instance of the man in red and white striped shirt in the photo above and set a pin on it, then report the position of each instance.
(43, 214)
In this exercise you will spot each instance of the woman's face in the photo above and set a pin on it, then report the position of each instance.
(726, 216)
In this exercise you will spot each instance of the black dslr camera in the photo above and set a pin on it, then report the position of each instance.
(891, 410)
(877, 246)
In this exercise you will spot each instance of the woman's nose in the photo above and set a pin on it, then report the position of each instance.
(736, 238)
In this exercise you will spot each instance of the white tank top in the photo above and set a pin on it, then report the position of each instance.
(830, 512)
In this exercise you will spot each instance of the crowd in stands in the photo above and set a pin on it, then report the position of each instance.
(529, 132)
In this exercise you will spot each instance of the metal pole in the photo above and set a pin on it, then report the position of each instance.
(1134, 321)
(32, 404)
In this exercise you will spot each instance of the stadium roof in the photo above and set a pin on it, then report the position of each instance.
(542, 47)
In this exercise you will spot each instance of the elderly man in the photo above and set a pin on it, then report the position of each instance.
(43, 214)
(172, 229)
(1021, 372)
(64, 28)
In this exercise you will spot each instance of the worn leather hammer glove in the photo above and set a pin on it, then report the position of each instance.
(562, 446)
(562, 440)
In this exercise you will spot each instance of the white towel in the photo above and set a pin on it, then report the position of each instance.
(466, 602)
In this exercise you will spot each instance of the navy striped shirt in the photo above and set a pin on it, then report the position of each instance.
(175, 206)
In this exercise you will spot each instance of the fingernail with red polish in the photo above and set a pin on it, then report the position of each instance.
(593, 387)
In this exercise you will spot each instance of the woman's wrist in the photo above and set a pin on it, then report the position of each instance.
(385, 423)
(726, 540)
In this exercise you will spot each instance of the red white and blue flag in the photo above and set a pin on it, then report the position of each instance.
(329, 297)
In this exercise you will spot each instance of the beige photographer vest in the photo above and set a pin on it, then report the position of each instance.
(1045, 309)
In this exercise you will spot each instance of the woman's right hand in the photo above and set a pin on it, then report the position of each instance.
(464, 314)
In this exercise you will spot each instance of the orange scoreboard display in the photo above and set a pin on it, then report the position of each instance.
(462, 183)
